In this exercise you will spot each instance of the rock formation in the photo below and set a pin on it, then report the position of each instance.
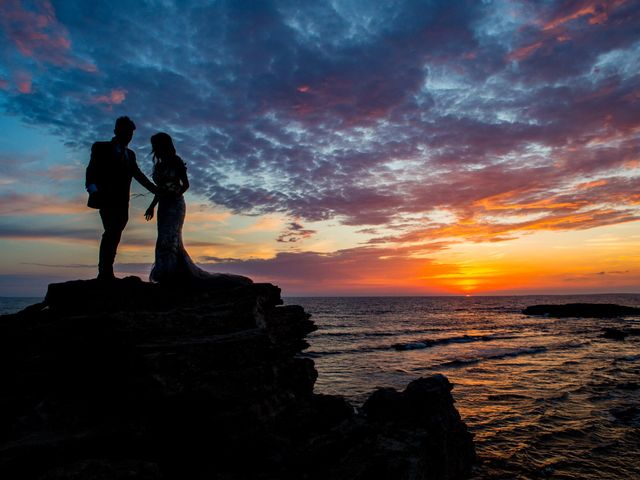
(618, 334)
(586, 310)
(131, 380)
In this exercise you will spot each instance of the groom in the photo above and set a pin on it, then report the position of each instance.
(109, 174)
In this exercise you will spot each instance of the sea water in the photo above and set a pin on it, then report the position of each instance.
(15, 304)
(544, 397)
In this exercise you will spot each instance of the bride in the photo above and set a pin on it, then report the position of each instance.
(173, 263)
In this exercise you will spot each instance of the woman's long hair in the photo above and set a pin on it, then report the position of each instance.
(162, 148)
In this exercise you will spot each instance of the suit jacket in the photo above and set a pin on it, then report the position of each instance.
(112, 172)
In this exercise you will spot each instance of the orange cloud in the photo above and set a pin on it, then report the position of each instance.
(349, 271)
(23, 82)
(598, 10)
(37, 33)
(15, 204)
(632, 164)
(524, 52)
(116, 97)
(264, 224)
(553, 30)
(553, 215)
(593, 184)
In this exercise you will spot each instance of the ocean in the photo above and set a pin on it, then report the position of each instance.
(15, 304)
(544, 397)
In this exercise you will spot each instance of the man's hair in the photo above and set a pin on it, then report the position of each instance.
(124, 124)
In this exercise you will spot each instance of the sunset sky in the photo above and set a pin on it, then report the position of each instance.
(342, 147)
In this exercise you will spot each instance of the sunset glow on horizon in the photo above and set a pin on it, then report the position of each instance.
(335, 148)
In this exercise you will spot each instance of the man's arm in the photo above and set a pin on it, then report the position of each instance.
(141, 177)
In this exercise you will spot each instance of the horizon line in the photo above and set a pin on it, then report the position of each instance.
(418, 296)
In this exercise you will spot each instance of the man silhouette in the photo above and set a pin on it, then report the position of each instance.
(109, 174)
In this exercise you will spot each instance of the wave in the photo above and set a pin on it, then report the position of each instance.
(459, 362)
(627, 358)
(507, 396)
(368, 333)
(356, 334)
(447, 340)
(375, 311)
(501, 353)
(415, 345)
(560, 397)
(338, 334)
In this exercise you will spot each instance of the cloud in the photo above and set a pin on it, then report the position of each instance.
(616, 272)
(295, 232)
(523, 52)
(23, 81)
(115, 97)
(21, 204)
(373, 114)
(264, 224)
(58, 265)
(74, 232)
(49, 232)
(361, 269)
(506, 214)
(64, 172)
(596, 11)
(36, 33)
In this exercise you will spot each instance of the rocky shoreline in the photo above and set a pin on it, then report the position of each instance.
(132, 380)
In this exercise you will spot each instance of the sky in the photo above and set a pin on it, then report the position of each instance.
(337, 147)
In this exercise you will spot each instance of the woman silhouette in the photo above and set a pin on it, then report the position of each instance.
(173, 263)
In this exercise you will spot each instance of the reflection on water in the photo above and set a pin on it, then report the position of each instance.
(545, 398)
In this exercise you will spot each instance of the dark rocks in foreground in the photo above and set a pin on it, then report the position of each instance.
(585, 310)
(139, 381)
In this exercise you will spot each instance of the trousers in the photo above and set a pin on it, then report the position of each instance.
(114, 219)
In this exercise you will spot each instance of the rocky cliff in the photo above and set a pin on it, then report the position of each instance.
(131, 380)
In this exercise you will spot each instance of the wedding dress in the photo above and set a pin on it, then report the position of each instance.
(173, 263)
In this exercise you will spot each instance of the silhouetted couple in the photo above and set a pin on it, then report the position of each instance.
(109, 174)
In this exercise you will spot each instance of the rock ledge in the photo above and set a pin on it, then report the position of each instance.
(131, 380)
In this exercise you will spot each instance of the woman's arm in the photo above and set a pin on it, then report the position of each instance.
(149, 213)
(184, 179)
